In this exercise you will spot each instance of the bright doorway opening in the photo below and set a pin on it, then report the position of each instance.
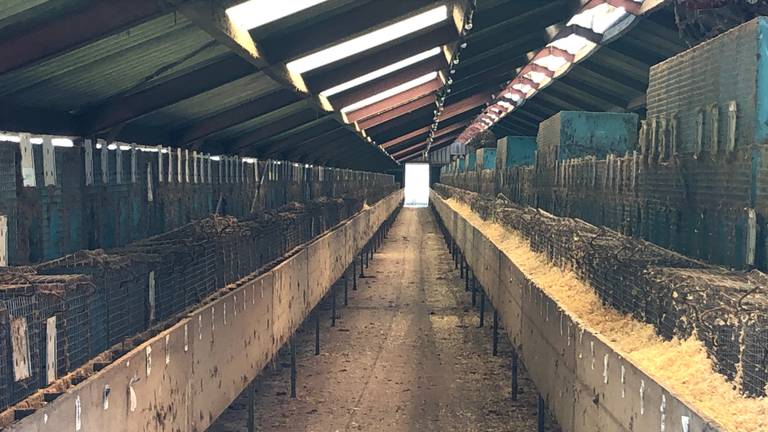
(416, 184)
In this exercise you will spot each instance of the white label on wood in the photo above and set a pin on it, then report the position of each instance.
(751, 236)
(160, 164)
(20, 346)
(203, 173)
(730, 143)
(49, 162)
(194, 166)
(210, 170)
(152, 296)
(178, 165)
(104, 162)
(3, 241)
(27, 161)
(88, 162)
(50, 349)
(134, 171)
(170, 165)
(150, 195)
(714, 128)
(186, 166)
(698, 143)
(118, 165)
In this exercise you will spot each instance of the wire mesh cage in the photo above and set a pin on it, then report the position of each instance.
(726, 310)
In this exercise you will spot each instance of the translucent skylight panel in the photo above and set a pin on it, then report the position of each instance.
(381, 72)
(369, 40)
(391, 92)
(256, 13)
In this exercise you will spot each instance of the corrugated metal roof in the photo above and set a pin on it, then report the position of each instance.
(111, 66)
(171, 75)
(211, 102)
(260, 121)
(16, 14)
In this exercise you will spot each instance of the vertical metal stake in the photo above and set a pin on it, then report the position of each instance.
(495, 332)
(333, 305)
(362, 266)
(474, 290)
(462, 265)
(354, 275)
(346, 285)
(540, 414)
(317, 332)
(514, 374)
(482, 308)
(466, 283)
(293, 366)
(251, 389)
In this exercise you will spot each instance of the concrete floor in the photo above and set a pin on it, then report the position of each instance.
(405, 355)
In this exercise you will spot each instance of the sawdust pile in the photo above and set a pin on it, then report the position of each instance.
(681, 366)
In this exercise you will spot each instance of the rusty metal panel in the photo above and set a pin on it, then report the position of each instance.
(319, 269)
(508, 301)
(234, 342)
(291, 295)
(338, 254)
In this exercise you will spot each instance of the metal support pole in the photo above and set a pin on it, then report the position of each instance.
(495, 332)
(293, 367)
(252, 406)
(333, 305)
(466, 284)
(514, 374)
(474, 290)
(317, 332)
(362, 265)
(346, 287)
(540, 414)
(354, 275)
(462, 265)
(482, 308)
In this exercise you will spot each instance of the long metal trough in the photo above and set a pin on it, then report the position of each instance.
(185, 377)
(588, 386)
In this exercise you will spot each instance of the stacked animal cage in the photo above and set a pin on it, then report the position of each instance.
(59, 314)
(681, 297)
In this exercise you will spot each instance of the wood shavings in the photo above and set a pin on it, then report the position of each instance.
(681, 366)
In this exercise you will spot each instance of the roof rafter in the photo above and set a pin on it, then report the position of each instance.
(122, 109)
(61, 35)
(233, 116)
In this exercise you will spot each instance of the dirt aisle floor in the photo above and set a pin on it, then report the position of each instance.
(405, 355)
